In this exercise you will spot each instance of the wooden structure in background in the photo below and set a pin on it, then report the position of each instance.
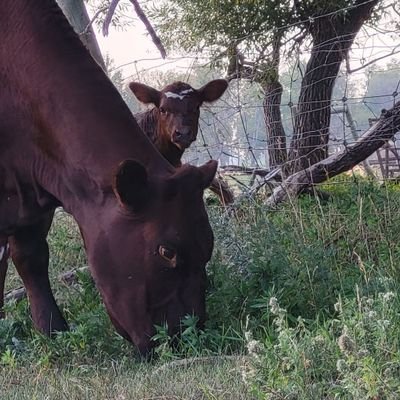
(387, 157)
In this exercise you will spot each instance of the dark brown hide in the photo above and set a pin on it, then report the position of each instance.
(173, 123)
(67, 139)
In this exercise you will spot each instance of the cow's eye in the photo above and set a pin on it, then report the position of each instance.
(168, 254)
(163, 110)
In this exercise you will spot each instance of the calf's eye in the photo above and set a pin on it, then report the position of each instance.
(168, 254)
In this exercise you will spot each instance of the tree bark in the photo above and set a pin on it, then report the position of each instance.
(268, 78)
(77, 16)
(374, 138)
(333, 36)
(276, 137)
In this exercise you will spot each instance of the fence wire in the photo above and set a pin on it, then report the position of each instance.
(233, 129)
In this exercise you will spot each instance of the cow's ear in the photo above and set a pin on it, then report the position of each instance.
(208, 171)
(146, 94)
(213, 90)
(130, 185)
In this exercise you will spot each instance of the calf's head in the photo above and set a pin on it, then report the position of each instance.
(178, 107)
(149, 263)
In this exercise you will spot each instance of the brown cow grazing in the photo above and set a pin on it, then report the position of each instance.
(67, 139)
(173, 123)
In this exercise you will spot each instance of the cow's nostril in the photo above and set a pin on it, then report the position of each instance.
(178, 134)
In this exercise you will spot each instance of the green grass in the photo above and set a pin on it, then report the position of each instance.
(305, 297)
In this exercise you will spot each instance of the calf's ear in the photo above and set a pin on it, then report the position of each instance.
(130, 185)
(145, 94)
(213, 90)
(208, 171)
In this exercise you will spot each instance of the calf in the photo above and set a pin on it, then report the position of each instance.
(67, 139)
(172, 125)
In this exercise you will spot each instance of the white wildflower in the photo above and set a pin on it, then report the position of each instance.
(363, 353)
(286, 364)
(254, 348)
(300, 321)
(383, 323)
(370, 302)
(319, 340)
(248, 336)
(274, 306)
(371, 315)
(388, 296)
(338, 307)
(346, 343)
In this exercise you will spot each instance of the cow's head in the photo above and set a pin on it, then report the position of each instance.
(149, 263)
(178, 106)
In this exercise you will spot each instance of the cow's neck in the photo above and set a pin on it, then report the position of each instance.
(79, 127)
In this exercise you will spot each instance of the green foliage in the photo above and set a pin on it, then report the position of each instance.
(91, 337)
(308, 253)
(196, 24)
(353, 356)
(195, 342)
(216, 27)
(309, 291)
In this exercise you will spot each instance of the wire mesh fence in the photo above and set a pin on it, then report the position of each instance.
(233, 130)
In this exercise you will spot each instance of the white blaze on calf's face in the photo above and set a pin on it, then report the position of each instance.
(180, 96)
(172, 95)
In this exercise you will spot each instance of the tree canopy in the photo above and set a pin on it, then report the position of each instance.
(251, 38)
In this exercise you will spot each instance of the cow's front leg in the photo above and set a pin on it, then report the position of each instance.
(30, 254)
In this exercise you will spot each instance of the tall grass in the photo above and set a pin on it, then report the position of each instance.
(305, 295)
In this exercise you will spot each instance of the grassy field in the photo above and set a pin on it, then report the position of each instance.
(302, 301)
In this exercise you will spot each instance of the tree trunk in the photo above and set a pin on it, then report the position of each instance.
(76, 13)
(374, 138)
(333, 37)
(276, 138)
(275, 132)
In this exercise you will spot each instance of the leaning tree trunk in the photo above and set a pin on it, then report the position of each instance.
(333, 37)
(375, 137)
(77, 16)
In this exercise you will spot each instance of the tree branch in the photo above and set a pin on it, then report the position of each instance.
(375, 137)
(142, 16)
(156, 40)
(95, 16)
(392, 53)
(109, 15)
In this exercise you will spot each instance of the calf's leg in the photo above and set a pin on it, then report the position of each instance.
(30, 254)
